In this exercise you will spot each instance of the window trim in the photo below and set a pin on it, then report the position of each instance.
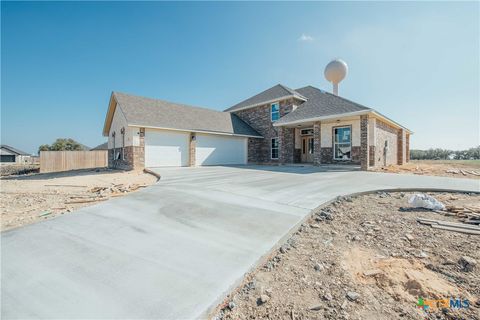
(334, 143)
(277, 112)
(272, 148)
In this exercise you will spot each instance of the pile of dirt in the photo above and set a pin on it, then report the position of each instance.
(28, 199)
(365, 258)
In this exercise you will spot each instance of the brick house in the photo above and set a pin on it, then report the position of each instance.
(276, 126)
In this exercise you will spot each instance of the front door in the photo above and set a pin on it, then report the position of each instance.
(307, 149)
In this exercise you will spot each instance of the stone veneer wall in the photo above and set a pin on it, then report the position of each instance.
(364, 148)
(192, 154)
(134, 156)
(400, 147)
(317, 138)
(407, 147)
(259, 119)
(286, 144)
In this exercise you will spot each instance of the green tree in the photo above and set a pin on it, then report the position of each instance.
(62, 144)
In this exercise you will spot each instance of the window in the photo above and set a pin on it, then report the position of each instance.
(342, 144)
(274, 148)
(275, 111)
(306, 132)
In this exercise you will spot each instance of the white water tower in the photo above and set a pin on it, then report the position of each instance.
(335, 71)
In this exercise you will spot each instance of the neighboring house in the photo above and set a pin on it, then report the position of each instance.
(276, 126)
(103, 146)
(14, 156)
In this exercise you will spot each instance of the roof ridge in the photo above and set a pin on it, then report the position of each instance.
(169, 102)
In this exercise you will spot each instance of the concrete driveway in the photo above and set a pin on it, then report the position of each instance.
(171, 251)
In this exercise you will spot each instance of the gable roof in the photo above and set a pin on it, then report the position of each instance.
(155, 113)
(274, 93)
(13, 150)
(320, 104)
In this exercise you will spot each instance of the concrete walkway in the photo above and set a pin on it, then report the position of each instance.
(172, 250)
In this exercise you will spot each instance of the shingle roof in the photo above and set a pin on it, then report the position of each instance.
(320, 104)
(19, 152)
(148, 112)
(273, 93)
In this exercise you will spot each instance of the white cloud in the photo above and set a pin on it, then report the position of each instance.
(305, 37)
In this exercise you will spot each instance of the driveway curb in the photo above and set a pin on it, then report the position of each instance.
(222, 301)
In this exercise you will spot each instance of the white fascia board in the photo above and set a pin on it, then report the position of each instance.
(348, 114)
(267, 102)
(333, 116)
(386, 119)
(196, 131)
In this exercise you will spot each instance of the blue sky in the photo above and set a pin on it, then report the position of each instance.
(416, 62)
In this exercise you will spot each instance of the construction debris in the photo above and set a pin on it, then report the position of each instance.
(32, 198)
(421, 200)
(372, 250)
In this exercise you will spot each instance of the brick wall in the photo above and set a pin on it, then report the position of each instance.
(259, 118)
(364, 148)
(133, 156)
(286, 144)
(317, 150)
(192, 150)
(400, 147)
(407, 148)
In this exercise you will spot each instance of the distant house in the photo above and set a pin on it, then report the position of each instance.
(103, 146)
(11, 155)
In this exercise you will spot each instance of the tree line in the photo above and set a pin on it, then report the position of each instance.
(62, 144)
(444, 154)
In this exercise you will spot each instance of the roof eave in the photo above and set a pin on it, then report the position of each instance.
(342, 115)
(196, 131)
(333, 116)
(109, 116)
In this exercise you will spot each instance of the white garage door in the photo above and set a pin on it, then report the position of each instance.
(166, 148)
(214, 149)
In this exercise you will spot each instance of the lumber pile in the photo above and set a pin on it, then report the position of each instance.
(463, 172)
(451, 226)
(466, 214)
(116, 189)
(103, 193)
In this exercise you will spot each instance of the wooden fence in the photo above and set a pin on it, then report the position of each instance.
(55, 161)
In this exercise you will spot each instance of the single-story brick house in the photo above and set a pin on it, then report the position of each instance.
(12, 155)
(277, 126)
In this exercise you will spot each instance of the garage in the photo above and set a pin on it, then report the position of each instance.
(212, 149)
(166, 148)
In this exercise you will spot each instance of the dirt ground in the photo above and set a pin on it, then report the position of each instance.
(365, 258)
(445, 168)
(31, 198)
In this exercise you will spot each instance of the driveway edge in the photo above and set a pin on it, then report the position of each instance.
(223, 300)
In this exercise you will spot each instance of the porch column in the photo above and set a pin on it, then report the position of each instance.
(192, 149)
(407, 147)
(317, 158)
(286, 144)
(364, 147)
(400, 147)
